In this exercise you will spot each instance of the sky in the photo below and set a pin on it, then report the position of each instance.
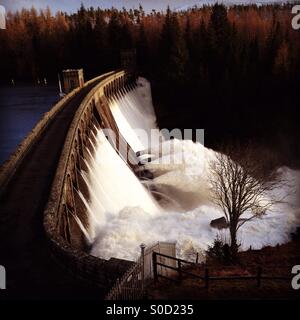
(73, 5)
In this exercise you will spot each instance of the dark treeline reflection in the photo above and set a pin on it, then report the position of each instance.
(234, 72)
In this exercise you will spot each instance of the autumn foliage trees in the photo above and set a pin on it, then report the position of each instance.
(214, 40)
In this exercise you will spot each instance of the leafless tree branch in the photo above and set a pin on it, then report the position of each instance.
(240, 184)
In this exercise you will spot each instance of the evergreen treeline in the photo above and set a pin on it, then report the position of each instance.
(234, 70)
(207, 44)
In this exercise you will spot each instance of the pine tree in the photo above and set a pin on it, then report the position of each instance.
(98, 54)
(126, 41)
(219, 31)
(200, 53)
(173, 50)
(114, 30)
(142, 48)
(188, 35)
(273, 43)
(218, 46)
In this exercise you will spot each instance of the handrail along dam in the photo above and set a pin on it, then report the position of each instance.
(41, 243)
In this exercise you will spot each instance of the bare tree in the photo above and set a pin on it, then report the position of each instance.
(240, 184)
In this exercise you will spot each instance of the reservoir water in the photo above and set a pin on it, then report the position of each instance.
(21, 107)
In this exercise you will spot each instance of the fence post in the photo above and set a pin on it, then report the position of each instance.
(179, 271)
(259, 272)
(206, 278)
(118, 294)
(143, 246)
(154, 261)
(197, 257)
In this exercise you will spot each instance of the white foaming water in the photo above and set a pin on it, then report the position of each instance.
(113, 187)
(124, 214)
(133, 112)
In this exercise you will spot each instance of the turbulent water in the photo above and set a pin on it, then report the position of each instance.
(123, 213)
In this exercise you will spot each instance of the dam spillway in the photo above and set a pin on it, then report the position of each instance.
(125, 212)
(90, 233)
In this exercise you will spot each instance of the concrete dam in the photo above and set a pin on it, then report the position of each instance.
(44, 194)
(95, 179)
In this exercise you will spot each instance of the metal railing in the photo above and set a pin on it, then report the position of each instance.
(132, 286)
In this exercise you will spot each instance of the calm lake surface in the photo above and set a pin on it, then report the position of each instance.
(21, 107)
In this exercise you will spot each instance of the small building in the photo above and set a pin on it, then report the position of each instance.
(72, 78)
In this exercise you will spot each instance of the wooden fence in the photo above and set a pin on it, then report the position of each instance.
(206, 277)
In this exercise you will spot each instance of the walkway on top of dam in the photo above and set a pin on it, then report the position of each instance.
(31, 272)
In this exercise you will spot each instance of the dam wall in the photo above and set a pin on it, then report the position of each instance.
(65, 215)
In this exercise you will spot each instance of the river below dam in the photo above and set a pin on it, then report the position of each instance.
(21, 107)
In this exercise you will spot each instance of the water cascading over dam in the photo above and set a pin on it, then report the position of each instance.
(174, 205)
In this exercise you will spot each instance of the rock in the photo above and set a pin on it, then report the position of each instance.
(219, 223)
